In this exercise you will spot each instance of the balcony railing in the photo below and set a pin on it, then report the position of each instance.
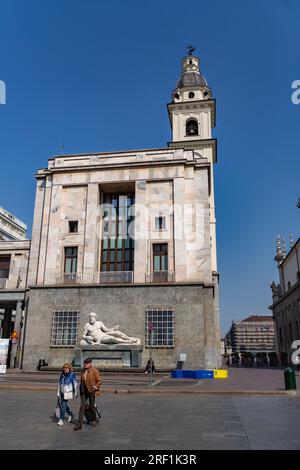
(68, 278)
(3, 282)
(110, 277)
(160, 277)
(4, 273)
(115, 277)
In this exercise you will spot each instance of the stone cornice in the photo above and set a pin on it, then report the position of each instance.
(125, 284)
(114, 153)
(15, 245)
(196, 144)
(117, 166)
(190, 105)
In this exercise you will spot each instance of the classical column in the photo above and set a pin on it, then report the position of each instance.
(92, 243)
(6, 323)
(17, 329)
(141, 257)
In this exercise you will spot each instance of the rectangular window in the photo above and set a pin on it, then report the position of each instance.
(70, 268)
(160, 223)
(117, 251)
(64, 328)
(162, 322)
(160, 262)
(160, 257)
(73, 226)
(71, 253)
(4, 266)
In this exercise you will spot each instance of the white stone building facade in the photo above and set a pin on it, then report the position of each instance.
(286, 299)
(14, 256)
(11, 228)
(131, 236)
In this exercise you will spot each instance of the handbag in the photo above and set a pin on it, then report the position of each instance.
(68, 395)
(57, 409)
(90, 413)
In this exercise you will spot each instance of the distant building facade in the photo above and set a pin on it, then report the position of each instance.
(227, 343)
(286, 297)
(255, 333)
(11, 228)
(14, 256)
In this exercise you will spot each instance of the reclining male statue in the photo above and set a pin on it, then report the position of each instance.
(95, 332)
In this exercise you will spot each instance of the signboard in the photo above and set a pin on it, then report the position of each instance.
(4, 343)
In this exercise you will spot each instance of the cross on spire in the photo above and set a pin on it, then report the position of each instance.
(190, 49)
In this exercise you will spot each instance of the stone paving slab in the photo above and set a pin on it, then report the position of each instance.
(154, 422)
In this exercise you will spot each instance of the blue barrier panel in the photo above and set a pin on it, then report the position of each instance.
(188, 374)
(192, 374)
(176, 374)
(205, 374)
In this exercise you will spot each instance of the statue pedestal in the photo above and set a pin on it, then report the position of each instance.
(110, 355)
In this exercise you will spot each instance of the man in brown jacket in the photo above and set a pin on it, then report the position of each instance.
(89, 388)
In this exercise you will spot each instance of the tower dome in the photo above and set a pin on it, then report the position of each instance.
(191, 75)
(191, 84)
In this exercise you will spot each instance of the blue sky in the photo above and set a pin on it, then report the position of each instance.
(96, 76)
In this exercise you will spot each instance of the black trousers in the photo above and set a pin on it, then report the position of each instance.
(85, 397)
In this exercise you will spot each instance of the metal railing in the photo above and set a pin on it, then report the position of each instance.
(110, 277)
(68, 278)
(3, 282)
(160, 277)
(4, 273)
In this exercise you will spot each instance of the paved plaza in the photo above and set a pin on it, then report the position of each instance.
(154, 422)
(240, 381)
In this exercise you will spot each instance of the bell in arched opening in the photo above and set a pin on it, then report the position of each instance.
(192, 127)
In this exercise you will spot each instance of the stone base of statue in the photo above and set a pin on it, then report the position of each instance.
(110, 355)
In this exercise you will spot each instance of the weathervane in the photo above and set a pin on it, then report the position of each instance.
(190, 49)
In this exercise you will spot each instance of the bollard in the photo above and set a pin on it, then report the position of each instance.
(290, 379)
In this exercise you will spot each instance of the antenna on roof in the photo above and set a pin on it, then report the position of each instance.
(62, 149)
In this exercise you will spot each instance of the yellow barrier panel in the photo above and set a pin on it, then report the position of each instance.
(220, 374)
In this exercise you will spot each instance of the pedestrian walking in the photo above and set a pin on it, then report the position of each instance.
(67, 390)
(90, 382)
(150, 367)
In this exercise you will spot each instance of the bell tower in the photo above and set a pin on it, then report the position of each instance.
(192, 117)
(192, 108)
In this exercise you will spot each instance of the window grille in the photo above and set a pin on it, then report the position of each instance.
(64, 328)
(162, 321)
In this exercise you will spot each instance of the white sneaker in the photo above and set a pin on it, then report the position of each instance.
(60, 422)
(70, 418)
